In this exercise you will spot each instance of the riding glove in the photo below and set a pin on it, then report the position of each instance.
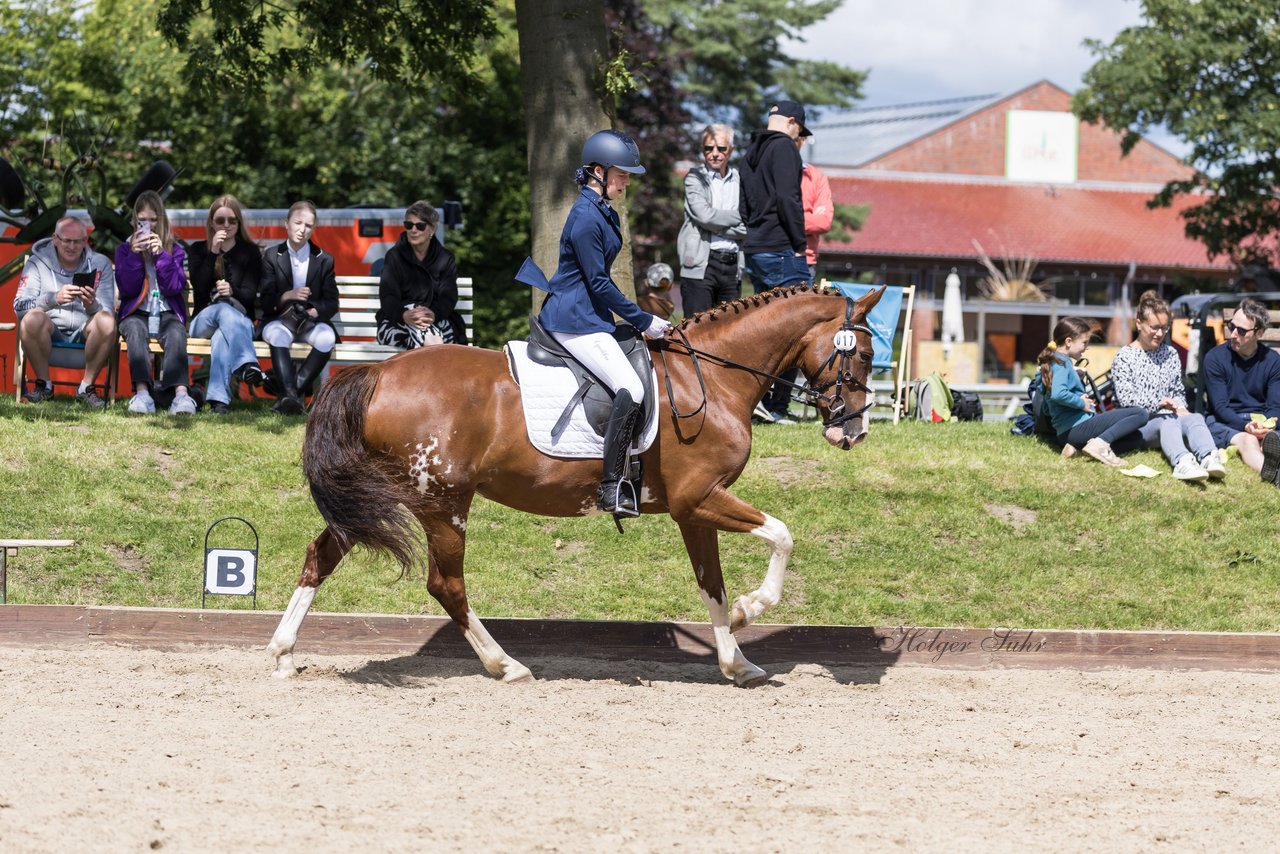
(657, 328)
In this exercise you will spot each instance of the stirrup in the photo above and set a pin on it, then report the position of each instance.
(614, 499)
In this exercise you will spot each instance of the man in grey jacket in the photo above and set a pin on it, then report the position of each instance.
(710, 257)
(67, 293)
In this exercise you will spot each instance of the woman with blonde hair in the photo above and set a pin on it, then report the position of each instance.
(1148, 374)
(226, 268)
(153, 304)
(1076, 420)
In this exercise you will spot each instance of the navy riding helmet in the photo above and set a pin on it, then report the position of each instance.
(612, 149)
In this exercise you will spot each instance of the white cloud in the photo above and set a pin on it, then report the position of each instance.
(920, 50)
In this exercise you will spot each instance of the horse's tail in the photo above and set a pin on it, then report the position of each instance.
(355, 490)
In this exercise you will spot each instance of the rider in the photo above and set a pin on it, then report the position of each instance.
(578, 312)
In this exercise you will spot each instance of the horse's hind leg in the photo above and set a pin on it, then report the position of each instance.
(323, 555)
(446, 546)
(704, 551)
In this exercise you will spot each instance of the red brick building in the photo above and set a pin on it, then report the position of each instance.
(1020, 176)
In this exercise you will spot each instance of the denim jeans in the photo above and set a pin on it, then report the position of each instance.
(230, 337)
(173, 341)
(771, 270)
(1176, 433)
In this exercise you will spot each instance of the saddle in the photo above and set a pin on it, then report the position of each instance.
(595, 396)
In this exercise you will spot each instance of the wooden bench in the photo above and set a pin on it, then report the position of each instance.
(13, 545)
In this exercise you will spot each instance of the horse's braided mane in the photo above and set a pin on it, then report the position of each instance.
(742, 304)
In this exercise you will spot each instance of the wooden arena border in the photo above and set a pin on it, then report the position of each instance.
(856, 646)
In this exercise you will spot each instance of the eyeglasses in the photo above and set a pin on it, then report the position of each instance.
(707, 149)
(70, 241)
(1232, 329)
(410, 225)
(225, 220)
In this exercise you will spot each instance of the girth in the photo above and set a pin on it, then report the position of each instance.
(596, 397)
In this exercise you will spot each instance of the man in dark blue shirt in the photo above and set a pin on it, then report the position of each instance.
(1242, 378)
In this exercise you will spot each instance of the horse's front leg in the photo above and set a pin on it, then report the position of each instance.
(323, 555)
(446, 547)
(725, 511)
(704, 552)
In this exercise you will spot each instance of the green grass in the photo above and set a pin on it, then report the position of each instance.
(958, 524)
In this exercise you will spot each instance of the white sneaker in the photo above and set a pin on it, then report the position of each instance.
(139, 405)
(1101, 451)
(182, 405)
(1212, 463)
(1188, 469)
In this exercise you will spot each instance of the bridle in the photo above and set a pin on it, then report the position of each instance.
(845, 349)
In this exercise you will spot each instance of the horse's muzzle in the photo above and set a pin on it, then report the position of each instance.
(848, 434)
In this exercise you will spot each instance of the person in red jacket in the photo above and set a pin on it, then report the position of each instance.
(819, 212)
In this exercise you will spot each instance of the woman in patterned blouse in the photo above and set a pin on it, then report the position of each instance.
(1148, 373)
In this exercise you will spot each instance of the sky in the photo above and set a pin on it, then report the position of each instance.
(927, 50)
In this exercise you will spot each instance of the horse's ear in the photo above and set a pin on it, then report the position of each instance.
(868, 301)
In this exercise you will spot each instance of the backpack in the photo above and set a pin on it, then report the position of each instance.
(967, 406)
(1035, 419)
(931, 399)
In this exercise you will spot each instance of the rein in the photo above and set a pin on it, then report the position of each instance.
(846, 347)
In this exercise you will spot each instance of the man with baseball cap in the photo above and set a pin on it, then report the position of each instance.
(771, 208)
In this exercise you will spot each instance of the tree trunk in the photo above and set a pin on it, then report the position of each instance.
(563, 49)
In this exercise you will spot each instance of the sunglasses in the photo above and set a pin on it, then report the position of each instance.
(707, 149)
(1232, 329)
(410, 225)
(225, 220)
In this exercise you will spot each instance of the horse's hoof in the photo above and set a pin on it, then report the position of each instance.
(518, 674)
(750, 677)
(284, 668)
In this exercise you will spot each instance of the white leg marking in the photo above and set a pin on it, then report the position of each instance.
(286, 635)
(492, 656)
(733, 663)
(748, 608)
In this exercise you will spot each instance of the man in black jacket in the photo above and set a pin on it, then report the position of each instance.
(772, 209)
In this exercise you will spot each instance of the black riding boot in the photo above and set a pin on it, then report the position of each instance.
(617, 494)
(282, 363)
(310, 371)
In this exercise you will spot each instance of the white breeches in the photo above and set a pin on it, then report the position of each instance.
(603, 357)
(320, 336)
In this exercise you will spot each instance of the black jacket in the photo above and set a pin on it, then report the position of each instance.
(432, 282)
(770, 201)
(277, 280)
(242, 267)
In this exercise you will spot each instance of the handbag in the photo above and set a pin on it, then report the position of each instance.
(296, 319)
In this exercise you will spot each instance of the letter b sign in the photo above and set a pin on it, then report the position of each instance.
(231, 572)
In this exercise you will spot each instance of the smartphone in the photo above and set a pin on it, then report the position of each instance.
(88, 281)
(144, 227)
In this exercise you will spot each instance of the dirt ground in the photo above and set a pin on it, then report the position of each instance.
(122, 749)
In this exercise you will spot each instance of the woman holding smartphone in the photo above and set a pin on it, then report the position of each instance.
(226, 268)
(153, 304)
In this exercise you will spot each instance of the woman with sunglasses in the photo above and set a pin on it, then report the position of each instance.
(299, 299)
(226, 268)
(418, 290)
(1148, 374)
(153, 304)
(583, 298)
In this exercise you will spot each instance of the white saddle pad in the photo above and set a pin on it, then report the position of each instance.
(545, 392)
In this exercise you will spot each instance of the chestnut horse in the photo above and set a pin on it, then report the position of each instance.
(400, 448)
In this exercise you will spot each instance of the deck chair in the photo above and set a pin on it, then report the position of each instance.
(883, 321)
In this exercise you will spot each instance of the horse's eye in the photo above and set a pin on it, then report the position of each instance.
(866, 357)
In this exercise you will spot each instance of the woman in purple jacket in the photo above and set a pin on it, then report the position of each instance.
(153, 304)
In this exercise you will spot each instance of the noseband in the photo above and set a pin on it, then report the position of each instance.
(846, 347)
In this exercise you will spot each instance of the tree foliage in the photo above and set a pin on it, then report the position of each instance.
(1210, 74)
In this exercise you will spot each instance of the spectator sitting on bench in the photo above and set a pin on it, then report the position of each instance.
(418, 290)
(51, 308)
(299, 299)
(153, 304)
(1076, 421)
(226, 268)
(1242, 377)
(1148, 374)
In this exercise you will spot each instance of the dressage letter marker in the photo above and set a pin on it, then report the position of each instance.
(230, 572)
